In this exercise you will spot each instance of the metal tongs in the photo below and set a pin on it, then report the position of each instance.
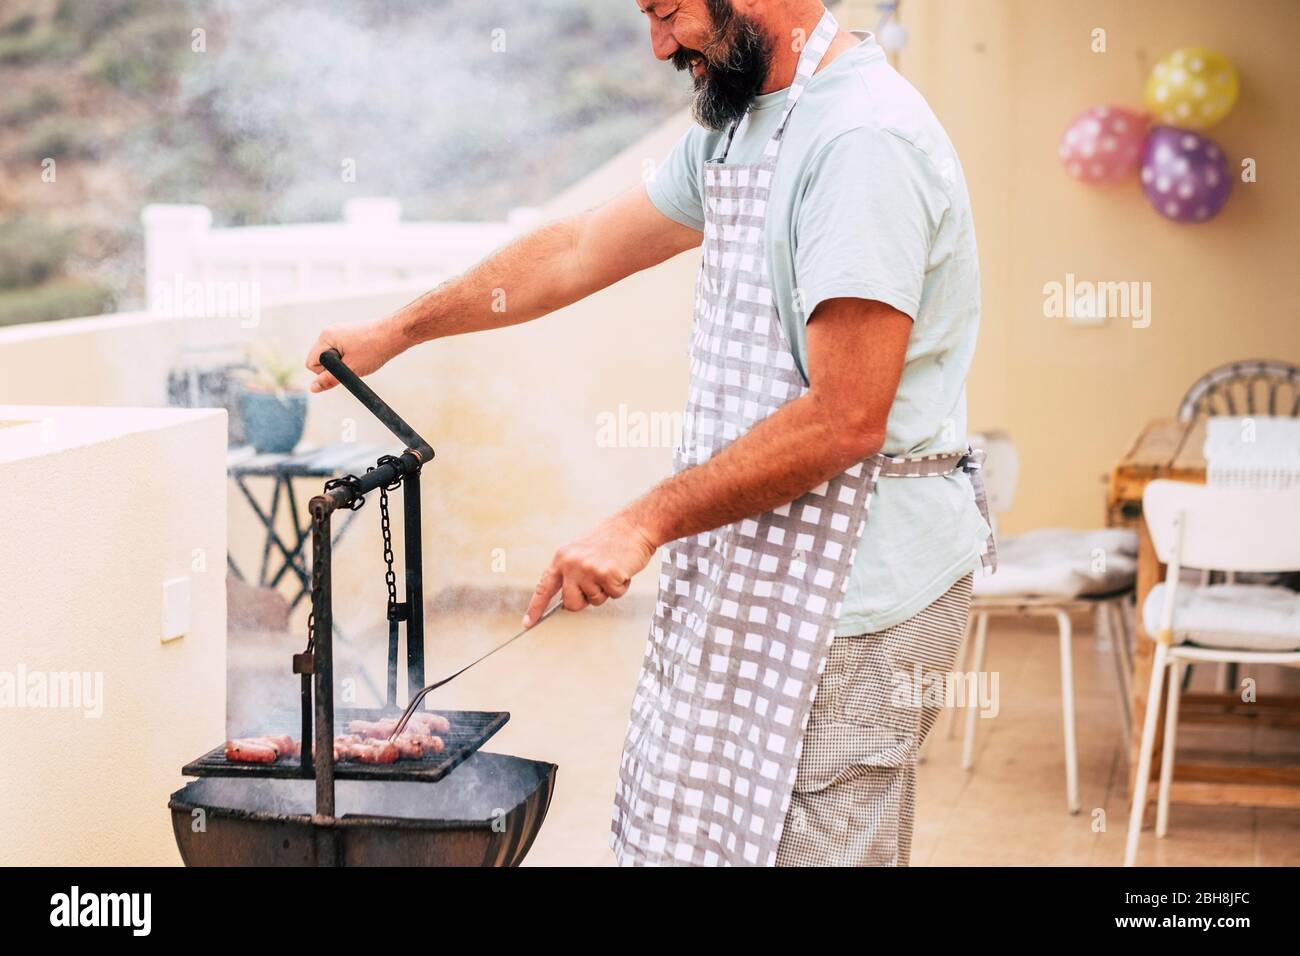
(414, 705)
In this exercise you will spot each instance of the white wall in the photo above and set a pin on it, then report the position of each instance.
(103, 505)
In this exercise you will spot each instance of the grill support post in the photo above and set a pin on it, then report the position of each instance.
(414, 583)
(306, 749)
(323, 659)
(392, 663)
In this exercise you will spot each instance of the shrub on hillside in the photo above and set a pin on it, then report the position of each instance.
(31, 252)
(59, 299)
(35, 105)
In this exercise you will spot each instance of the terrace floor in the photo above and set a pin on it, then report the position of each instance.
(569, 688)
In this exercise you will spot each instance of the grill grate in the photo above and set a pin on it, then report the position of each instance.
(470, 730)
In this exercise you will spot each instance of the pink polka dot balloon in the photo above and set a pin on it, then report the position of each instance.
(1103, 144)
(1184, 174)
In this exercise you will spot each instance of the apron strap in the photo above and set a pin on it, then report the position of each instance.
(815, 48)
(971, 461)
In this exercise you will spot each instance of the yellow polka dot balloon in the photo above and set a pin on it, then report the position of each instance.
(1192, 88)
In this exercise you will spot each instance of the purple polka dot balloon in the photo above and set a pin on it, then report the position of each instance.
(1184, 174)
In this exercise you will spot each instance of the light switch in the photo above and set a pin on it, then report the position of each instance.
(176, 608)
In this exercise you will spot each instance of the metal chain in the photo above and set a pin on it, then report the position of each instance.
(316, 543)
(353, 484)
(390, 577)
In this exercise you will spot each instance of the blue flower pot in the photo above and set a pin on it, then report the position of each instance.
(273, 423)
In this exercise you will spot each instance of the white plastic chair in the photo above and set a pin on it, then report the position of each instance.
(1251, 451)
(1048, 573)
(1222, 529)
(1259, 452)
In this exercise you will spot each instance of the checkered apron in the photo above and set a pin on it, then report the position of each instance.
(746, 613)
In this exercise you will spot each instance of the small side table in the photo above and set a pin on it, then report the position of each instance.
(328, 461)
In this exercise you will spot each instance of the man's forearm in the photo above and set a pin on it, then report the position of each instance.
(525, 280)
(547, 269)
(792, 451)
(856, 352)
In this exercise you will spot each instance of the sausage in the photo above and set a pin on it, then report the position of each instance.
(373, 728)
(364, 750)
(430, 723)
(408, 747)
(251, 750)
(377, 751)
(428, 743)
(351, 747)
(421, 722)
(363, 728)
(284, 745)
(348, 748)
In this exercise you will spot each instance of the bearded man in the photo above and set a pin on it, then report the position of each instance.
(836, 313)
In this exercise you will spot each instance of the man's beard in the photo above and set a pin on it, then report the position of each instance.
(736, 64)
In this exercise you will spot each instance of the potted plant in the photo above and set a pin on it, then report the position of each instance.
(273, 405)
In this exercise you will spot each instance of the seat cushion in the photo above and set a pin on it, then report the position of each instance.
(1251, 617)
(1062, 563)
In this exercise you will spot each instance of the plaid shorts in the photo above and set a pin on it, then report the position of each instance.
(855, 791)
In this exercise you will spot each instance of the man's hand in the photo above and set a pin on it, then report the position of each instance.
(594, 568)
(365, 346)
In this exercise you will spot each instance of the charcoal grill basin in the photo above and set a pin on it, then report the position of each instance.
(486, 813)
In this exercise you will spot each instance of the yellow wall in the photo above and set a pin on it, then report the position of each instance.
(1005, 77)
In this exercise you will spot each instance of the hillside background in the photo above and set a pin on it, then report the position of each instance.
(461, 109)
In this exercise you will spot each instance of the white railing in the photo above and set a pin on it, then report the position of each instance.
(370, 246)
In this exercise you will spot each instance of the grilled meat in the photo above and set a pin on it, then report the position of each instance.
(367, 742)
(251, 750)
(421, 722)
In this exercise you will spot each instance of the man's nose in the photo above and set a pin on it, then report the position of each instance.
(661, 39)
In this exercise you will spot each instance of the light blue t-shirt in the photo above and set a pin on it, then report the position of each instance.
(869, 201)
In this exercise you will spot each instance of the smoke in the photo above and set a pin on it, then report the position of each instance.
(261, 687)
(263, 695)
(461, 108)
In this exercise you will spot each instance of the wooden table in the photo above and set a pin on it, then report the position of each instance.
(1172, 449)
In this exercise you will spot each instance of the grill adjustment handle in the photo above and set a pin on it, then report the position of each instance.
(333, 363)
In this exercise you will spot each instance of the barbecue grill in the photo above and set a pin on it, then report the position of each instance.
(461, 807)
